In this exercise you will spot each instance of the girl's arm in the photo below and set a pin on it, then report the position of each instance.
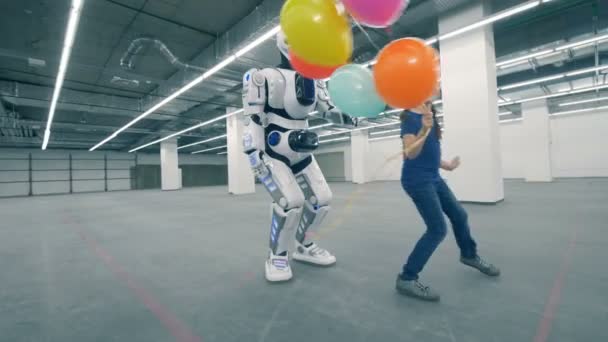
(450, 165)
(413, 143)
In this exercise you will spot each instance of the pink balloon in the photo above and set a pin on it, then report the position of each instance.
(376, 13)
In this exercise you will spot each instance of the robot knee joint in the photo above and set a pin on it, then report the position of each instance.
(292, 202)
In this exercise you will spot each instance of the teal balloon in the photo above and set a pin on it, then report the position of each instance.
(352, 90)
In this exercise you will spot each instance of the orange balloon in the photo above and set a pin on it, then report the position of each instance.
(310, 70)
(406, 73)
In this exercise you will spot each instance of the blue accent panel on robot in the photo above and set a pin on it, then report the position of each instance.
(253, 159)
(305, 90)
(274, 138)
(269, 183)
(247, 77)
(273, 231)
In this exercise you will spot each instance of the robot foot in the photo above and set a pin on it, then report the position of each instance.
(313, 254)
(277, 268)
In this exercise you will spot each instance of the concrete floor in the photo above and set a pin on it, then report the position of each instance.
(188, 266)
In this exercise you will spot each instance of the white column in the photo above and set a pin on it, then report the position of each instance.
(537, 135)
(359, 144)
(470, 106)
(169, 170)
(240, 177)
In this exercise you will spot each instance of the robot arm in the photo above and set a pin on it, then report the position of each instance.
(254, 99)
(330, 112)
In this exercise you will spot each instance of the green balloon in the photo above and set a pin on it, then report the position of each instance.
(352, 90)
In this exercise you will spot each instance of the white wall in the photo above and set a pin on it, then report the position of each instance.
(50, 170)
(578, 146)
(345, 148)
(384, 161)
(512, 146)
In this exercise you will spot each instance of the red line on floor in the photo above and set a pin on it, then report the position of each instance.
(178, 330)
(544, 326)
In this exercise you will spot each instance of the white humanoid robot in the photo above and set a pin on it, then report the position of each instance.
(277, 104)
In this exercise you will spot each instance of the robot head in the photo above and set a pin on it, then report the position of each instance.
(284, 48)
(282, 44)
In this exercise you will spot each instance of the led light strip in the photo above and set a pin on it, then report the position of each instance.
(210, 149)
(559, 94)
(492, 19)
(332, 140)
(546, 53)
(203, 142)
(579, 111)
(583, 101)
(202, 124)
(385, 132)
(70, 34)
(385, 138)
(271, 33)
(553, 77)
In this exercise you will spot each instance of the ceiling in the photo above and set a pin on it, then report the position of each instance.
(100, 95)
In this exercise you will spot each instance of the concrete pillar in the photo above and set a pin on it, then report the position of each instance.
(240, 177)
(537, 135)
(169, 170)
(359, 144)
(470, 105)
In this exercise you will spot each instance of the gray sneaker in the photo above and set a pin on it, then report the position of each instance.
(481, 265)
(414, 288)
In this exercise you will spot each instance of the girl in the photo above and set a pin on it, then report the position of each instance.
(420, 179)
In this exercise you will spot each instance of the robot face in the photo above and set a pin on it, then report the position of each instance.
(282, 44)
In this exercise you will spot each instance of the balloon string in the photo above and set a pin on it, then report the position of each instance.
(371, 41)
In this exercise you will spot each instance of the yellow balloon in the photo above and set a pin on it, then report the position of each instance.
(317, 32)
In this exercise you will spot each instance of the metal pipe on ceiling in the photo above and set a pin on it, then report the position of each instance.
(129, 58)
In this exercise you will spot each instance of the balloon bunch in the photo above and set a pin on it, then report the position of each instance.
(320, 40)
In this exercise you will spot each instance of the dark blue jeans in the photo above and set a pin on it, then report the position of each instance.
(432, 200)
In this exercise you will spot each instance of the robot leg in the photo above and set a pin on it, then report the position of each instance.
(318, 196)
(286, 211)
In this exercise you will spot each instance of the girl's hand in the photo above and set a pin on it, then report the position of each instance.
(454, 164)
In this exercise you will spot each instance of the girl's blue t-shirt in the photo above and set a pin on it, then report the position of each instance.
(425, 167)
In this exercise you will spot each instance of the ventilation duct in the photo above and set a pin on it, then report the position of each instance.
(129, 59)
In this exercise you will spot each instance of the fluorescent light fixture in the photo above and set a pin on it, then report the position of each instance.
(579, 111)
(505, 113)
(431, 41)
(274, 31)
(531, 82)
(68, 42)
(332, 140)
(523, 59)
(202, 124)
(210, 149)
(385, 132)
(583, 101)
(585, 71)
(204, 141)
(194, 82)
(385, 138)
(583, 42)
(223, 152)
(510, 120)
(320, 126)
(558, 94)
(494, 18)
